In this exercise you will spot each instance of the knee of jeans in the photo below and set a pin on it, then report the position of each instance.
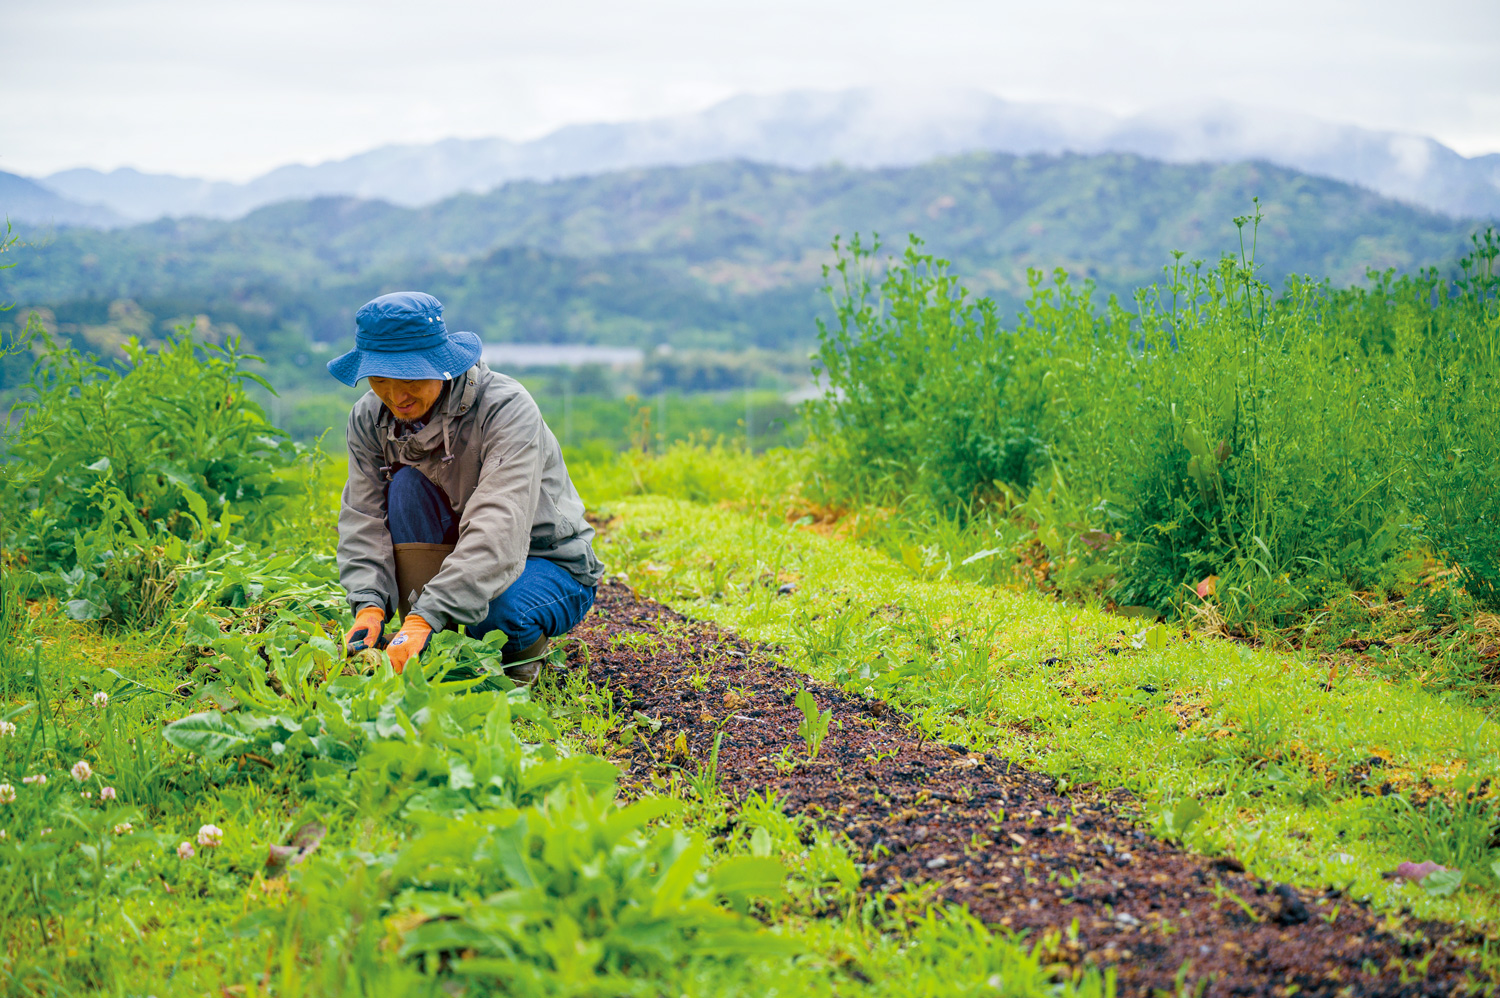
(510, 619)
(406, 487)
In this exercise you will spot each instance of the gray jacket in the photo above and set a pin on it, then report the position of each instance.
(505, 480)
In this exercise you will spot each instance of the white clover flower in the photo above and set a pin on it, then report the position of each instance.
(101, 698)
(3, 836)
(7, 729)
(7, 793)
(107, 793)
(185, 850)
(122, 828)
(81, 770)
(210, 836)
(86, 794)
(40, 779)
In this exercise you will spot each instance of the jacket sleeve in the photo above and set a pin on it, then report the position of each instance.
(494, 533)
(367, 565)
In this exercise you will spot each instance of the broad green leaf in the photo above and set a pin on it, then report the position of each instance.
(760, 842)
(195, 503)
(460, 777)
(637, 815)
(673, 884)
(510, 850)
(1185, 813)
(84, 609)
(744, 877)
(1443, 883)
(207, 733)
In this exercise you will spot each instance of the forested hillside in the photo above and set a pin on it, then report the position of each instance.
(721, 255)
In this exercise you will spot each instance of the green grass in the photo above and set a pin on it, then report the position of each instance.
(91, 906)
(1296, 444)
(457, 816)
(1272, 749)
(160, 924)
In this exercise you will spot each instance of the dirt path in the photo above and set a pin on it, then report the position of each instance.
(922, 812)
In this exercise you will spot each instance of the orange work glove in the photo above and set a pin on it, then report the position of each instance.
(410, 640)
(369, 627)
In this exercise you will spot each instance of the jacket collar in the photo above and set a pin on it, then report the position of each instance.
(437, 433)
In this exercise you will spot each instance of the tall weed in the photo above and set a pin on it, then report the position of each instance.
(927, 393)
(1455, 461)
(116, 479)
(1293, 444)
(174, 435)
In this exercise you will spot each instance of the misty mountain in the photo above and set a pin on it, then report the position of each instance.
(721, 255)
(28, 202)
(860, 128)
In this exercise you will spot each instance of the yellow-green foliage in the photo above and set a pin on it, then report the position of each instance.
(1307, 776)
(698, 471)
(1288, 440)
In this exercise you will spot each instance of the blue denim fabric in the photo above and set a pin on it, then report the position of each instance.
(544, 600)
(417, 512)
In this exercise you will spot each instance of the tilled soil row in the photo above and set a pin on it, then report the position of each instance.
(996, 837)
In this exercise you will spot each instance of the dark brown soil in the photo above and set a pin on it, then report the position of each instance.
(920, 812)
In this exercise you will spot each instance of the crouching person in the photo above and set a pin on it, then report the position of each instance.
(458, 509)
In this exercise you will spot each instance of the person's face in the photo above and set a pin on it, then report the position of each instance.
(408, 400)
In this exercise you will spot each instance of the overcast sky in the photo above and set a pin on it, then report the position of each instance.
(231, 89)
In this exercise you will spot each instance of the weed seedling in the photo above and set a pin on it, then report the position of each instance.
(705, 782)
(814, 726)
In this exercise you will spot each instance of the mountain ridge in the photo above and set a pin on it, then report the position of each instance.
(721, 255)
(25, 201)
(806, 129)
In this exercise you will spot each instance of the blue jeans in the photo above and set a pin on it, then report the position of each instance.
(544, 600)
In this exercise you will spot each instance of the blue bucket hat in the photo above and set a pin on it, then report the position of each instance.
(402, 335)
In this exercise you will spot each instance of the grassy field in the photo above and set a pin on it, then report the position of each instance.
(297, 835)
(199, 794)
(1306, 777)
(139, 894)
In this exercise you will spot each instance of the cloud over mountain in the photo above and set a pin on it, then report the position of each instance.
(856, 128)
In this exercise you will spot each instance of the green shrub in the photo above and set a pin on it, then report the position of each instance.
(1294, 444)
(926, 394)
(1455, 482)
(173, 436)
(119, 479)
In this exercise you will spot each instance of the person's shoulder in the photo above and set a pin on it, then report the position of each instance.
(506, 397)
(366, 412)
(367, 406)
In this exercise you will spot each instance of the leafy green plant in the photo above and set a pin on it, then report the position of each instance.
(819, 861)
(1173, 823)
(1455, 483)
(574, 893)
(174, 435)
(924, 392)
(705, 782)
(1276, 441)
(401, 743)
(814, 725)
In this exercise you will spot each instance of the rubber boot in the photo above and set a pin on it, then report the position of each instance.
(416, 564)
(528, 662)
